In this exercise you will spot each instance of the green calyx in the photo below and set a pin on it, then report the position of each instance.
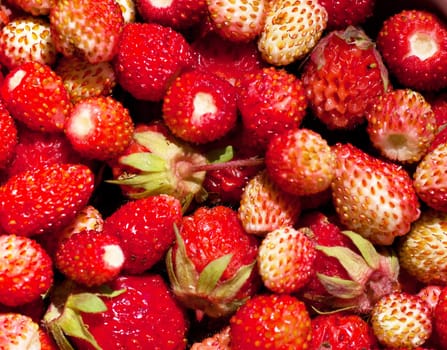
(205, 291)
(361, 268)
(169, 167)
(64, 315)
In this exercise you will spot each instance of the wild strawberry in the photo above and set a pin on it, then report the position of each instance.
(429, 178)
(342, 77)
(270, 101)
(422, 251)
(156, 162)
(24, 39)
(218, 341)
(200, 107)
(211, 264)
(277, 321)
(413, 44)
(86, 28)
(345, 13)
(134, 312)
(439, 317)
(35, 149)
(373, 197)
(342, 331)
(90, 257)
(88, 218)
(402, 320)
(35, 95)
(300, 162)
(44, 198)
(145, 228)
(18, 331)
(401, 125)
(292, 28)
(8, 135)
(83, 79)
(356, 279)
(34, 7)
(285, 259)
(99, 127)
(438, 104)
(128, 10)
(149, 57)
(177, 14)
(26, 272)
(264, 207)
(430, 294)
(238, 21)
(227, 59)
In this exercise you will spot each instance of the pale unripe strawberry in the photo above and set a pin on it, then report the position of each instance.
(285, 259)
(423, 250)
(24, 39)
(264, 207)
(240, 20)
(401, 320)
(292, 28)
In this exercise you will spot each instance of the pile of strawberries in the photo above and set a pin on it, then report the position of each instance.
(223, 174)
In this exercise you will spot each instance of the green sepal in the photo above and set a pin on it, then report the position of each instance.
(220, 155)
(231, 287)
(184, 270)
(85, 302)
(212, 273)
(144, 161)
(59, 336)
(72, 325)
(366, 248)
(354, 264)
(156, 143)
(339, 287)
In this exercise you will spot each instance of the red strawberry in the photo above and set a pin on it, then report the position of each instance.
(145, 228)
(177, 14)
(342, 331)
(200, 107)
(99, 127)
(430, 294)
(21, 332)
(88, 29)
(148, 59)
(218, 341)
(344, 13)
(270, 101)
(413, 44)
(264, 207)
(26, 272)
(401, 125)
(8, 135)
(429, 178)
(300, 162)
(224, 58)
(36, 149)
(24, 39)
(237, 21)
(292, 28)
(277, 321)
(440, 317)
(373, 197)
(285, 259)
(211, 265)
(44, 198)
(83, 79)
(342, 77)
(90, 257)
(35, 95)
(134, 312)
